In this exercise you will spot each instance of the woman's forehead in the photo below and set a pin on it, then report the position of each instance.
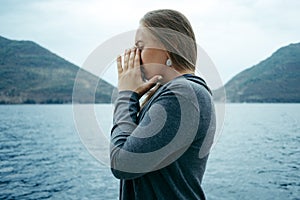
(144, 35)
(141, 34)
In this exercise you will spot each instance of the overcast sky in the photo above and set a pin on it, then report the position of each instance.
(236, 34)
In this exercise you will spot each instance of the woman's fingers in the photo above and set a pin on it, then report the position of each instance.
(148, 85)
(131, 58)
(137, 58)
(126, 57)
(119, 64)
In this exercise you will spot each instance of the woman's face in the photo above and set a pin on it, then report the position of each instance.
(153, 54)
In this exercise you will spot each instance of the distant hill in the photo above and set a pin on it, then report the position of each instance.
(30, 73)
(275, 79)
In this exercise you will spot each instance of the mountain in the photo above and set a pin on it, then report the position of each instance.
(30, 73)
(276, 79)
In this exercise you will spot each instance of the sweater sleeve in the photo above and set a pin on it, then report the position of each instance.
(161, 136)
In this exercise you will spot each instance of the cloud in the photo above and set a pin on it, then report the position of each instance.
(236, 34)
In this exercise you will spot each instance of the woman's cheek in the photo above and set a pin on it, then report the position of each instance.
(144, 68)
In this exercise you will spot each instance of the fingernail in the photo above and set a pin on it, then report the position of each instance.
(159, 78)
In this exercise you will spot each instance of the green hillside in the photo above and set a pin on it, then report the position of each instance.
(275, 79)
(30, 73)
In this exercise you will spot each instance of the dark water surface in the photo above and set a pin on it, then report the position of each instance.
(41, 156)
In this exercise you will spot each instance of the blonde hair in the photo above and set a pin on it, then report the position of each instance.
(175, 22)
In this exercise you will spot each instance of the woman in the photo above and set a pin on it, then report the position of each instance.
(159, 150)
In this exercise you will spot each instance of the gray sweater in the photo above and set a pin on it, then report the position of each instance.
(160, 151)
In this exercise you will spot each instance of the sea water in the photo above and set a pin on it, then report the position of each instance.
(257, 156)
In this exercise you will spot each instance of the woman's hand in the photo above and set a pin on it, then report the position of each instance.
(130, 77)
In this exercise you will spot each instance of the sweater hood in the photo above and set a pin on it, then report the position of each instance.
(197, 80)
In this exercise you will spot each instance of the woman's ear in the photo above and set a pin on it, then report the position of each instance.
(168, 55)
